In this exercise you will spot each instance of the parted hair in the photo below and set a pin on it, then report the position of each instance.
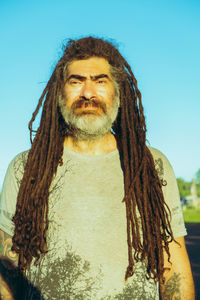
(148, 217)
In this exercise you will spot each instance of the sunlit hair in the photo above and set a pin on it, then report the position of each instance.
(142, 187)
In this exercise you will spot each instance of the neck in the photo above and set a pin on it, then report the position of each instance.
(101, 145)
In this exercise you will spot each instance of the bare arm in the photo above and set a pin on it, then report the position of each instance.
(179, 283)
(5, 251)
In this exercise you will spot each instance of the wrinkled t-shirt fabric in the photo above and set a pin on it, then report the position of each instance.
(87, 239)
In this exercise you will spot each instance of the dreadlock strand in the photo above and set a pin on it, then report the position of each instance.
(124, 140)
(41, 99)
(133, 155)
(129, 270)
(136, 239)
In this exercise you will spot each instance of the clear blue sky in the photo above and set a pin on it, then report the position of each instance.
(160, 40)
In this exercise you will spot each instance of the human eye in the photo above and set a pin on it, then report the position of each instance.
(74, 82)
(101, 81)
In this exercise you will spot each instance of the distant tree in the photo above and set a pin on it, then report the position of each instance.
(198, 190)
(197, 177)
(184, 187)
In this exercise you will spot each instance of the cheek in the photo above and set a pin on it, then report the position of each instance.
(111, 92)
(70, 97)
(110, 97)
(107, 94)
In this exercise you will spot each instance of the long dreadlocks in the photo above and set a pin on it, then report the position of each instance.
(142, 187)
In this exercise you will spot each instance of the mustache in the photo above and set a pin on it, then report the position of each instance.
(86, 102)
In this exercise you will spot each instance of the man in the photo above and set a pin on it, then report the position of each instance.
(92, 211)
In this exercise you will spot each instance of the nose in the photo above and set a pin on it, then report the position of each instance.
(88, 90)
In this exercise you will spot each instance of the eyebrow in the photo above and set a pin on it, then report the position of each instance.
(82, 78)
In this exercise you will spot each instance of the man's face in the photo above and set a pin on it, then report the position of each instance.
(90, 104)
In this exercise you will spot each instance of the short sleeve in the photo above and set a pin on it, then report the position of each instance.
(10, 191)
(170, 191)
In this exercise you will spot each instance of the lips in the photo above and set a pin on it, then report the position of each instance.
(88, 109)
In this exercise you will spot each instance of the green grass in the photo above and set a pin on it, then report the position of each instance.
(191, 215)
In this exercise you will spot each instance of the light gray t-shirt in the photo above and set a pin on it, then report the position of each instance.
(87, 240)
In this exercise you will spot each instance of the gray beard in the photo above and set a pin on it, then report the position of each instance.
(89, 126)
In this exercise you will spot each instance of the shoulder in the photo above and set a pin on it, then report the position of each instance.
(10, 190)
(166, 173)
(170, 191)
(20, 159)
(16, 166)
(162, 164)
(158, 155)
(14, 175)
